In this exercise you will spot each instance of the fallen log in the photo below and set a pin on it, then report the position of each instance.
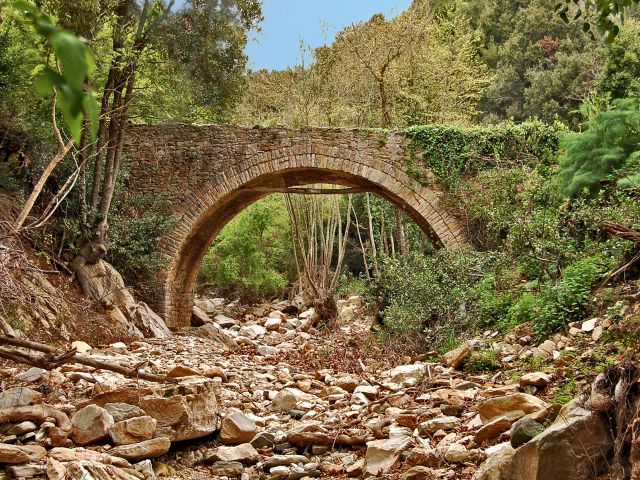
(36, 412)
(136, 373)
(47, 361)
(622, 232)
(319, 438)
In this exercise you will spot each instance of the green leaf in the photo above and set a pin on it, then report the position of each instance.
(71, 52)
(48, 80)
(25, 7)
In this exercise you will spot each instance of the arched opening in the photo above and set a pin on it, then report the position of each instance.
(181, 278)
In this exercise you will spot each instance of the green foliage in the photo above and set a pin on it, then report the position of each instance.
(621, 74)
(567, 300)
(604, 14)
(251, 256)
(76, 65)
(608, 150)
(424, 291)
(136, 226)
(541, 67)
(482, 361)
(452, 151)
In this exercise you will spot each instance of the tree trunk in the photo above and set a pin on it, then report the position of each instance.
(400, 241)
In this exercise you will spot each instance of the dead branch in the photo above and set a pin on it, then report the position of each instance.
(622, 232)
(86, 360)
(47, 361)
(35, 412)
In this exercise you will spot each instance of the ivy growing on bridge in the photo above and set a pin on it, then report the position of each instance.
(453, 152)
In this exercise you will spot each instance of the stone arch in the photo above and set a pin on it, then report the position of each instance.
(205, 202)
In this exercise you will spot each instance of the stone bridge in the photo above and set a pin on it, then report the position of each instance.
(210, 173)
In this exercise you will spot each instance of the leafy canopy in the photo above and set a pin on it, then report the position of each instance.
(608, 150)
(76, 63)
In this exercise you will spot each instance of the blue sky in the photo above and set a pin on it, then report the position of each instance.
(316, 21)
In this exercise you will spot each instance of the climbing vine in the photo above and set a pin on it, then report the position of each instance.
(452, 152)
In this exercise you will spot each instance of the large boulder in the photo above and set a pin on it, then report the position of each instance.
(104, 284)
(575, 447)
(90, 424)
(183, 412)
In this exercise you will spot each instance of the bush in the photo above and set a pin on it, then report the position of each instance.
(135, 226)
(567, 300)
(425, 291)
(482, 361)
(251, 256)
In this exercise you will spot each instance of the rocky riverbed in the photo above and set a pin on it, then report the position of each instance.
(262, 393)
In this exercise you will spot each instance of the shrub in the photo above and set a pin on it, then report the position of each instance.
(251, 256)
(567, 300)
(482, 361)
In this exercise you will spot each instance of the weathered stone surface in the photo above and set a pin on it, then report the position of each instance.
(147, 449)
(409, 374)
(575, 447)
(237, 428)
(524, 430)
(382, 455)
(492, 429)
(496, 467)
(244, 453)
(183, 412)
(438, 423)
(455, 358)
(21, 454)
(419, 473)
(289, 398)
(282, 460)
(123, 411)
(263, 439)
(34, 374)
(18, 397)
(133, 430)
(84, 470)
(183, 371)
(91, 424)
(523, 402)
(199, 317)
(537, 379)
(226, 469)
